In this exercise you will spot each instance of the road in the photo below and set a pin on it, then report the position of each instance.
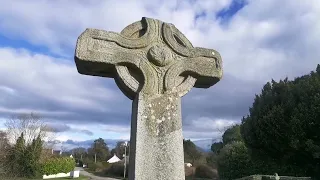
(91, 176)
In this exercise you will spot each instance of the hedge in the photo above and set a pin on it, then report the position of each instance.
(204, 171)
(117, 169)
(234, 161)
(57, 165)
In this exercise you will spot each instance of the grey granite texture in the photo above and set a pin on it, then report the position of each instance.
(154, 65)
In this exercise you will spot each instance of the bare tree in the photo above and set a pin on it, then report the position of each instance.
(3, 140)
(4, 146)
(224, 128)
(64, 149)
(31, 125)
(5, 151)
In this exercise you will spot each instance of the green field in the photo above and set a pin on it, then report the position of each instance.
(66, 178)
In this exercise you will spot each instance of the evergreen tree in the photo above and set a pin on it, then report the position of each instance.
(32, 157)
(283, 125)
(232, 134)
(99, 149)
(16, 158)
(23, 160)
(190, 151)
(216, 147)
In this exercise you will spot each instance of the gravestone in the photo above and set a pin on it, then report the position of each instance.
(154, 65)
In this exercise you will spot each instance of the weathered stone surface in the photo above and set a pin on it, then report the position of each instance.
(271, 177)
(154, 65)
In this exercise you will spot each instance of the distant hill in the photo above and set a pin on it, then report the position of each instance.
(202, 145)
(71, 144)
(200, 149)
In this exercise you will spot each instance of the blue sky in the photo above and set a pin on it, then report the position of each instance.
(257, 42)
(228, 12)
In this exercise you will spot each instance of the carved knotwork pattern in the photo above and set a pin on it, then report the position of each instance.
(166, 60)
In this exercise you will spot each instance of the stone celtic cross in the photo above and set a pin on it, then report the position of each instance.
(154, 65)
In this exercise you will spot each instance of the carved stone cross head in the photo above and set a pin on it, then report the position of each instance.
(149, 57)
(153, 64)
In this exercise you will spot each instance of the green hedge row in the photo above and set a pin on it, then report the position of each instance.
(234, 161)
(58, 165)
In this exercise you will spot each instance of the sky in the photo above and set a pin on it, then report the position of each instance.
(258, 40)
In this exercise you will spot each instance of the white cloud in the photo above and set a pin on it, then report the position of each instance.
(50, 78)
(8, 90)
(125, 136)
(206, 128)
(56, 24)
(116, 128)
(266, 39)
(242, 42)
(22, 111)
(205, 124)
(66, 136)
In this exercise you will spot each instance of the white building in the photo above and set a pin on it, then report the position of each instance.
(114, 159)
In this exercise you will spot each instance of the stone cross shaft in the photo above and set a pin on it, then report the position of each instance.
(154, 65)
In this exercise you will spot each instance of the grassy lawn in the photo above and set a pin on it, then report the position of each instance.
(103, 174)
(66, 178)
(79, 178)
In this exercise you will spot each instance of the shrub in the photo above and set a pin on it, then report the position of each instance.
(189, 171)
(87, 162)
(117, 169)
(80, 163)
(22, 159)
(204, 171)
(99, 167)
(106, 165)
(234, 161)
(283, 124)
(212, 160)
(58, 165)
(92, 166)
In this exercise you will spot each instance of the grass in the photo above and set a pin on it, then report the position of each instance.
(104, 174)
(79, 178)
(65, 178)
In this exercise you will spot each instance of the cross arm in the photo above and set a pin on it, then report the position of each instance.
(207, 70)
(200, 67)
(97, 52)
(108, 54)
(199, 72)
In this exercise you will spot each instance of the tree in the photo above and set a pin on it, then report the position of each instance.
(23, 159)
(232, 134)
(190, 151)
(31, 125)
(212, 159)
(79, 152)
(216, 147)
(4, 145)
(283, 125)
(20, 147)
(119, 150)
(3, 140)
(32, 157)
(234, 161)
(15, 159)
(99, 150)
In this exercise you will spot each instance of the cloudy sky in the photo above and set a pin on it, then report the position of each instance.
(257, 39)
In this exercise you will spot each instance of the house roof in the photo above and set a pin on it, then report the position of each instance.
(114, 159)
